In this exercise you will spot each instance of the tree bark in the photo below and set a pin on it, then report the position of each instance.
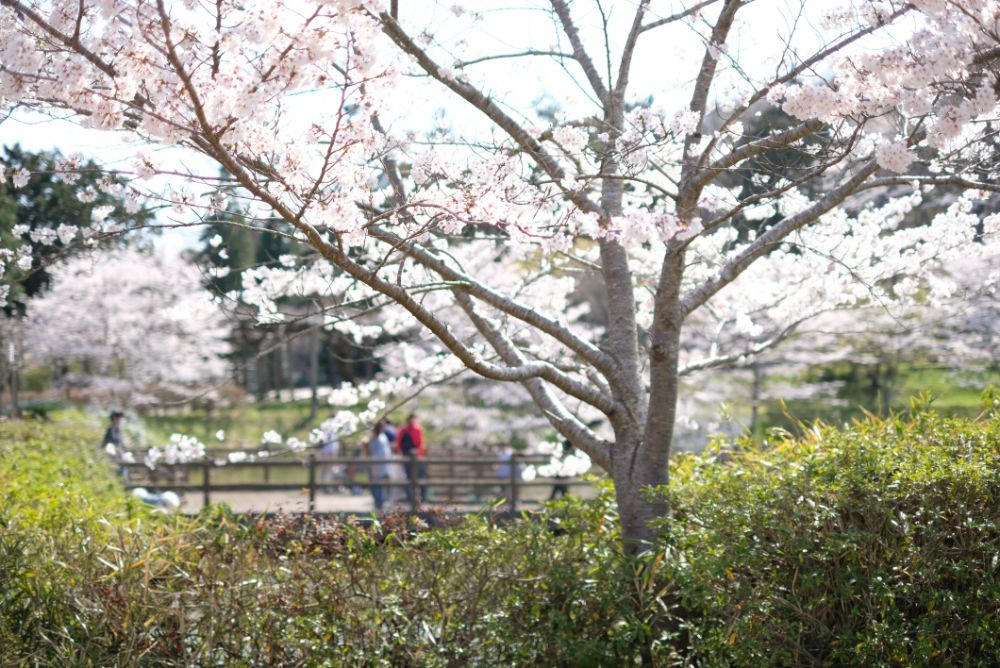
(636, 466)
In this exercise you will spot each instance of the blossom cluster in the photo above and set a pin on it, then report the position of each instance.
(160, 325)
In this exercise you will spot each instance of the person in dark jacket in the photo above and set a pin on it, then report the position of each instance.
(114, 437)
(389, 430)
(114, 433)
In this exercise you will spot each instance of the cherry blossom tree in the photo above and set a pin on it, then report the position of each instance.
(135, 319)
(967, 333)
(482, 229)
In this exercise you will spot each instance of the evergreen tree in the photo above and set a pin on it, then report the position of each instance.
(51, 200)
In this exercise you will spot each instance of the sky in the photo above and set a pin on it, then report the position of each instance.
(37, 132)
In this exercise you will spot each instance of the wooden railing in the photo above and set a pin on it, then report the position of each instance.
(177, 477)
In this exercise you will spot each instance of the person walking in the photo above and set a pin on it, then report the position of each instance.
(114, 442)
(380, 470)
(410, 443)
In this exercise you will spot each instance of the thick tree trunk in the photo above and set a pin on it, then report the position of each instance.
(643, 439)
(634, 470)
(640, 457)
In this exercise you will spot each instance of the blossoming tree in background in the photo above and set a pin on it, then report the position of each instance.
(132, 320)
(485, 228)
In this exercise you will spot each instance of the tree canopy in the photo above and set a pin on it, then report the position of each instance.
(475, 233)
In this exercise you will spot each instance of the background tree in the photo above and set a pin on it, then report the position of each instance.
(127, 336)
(274, 356)
(50, 207)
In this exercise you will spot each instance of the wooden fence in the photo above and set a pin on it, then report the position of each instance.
(452, 473)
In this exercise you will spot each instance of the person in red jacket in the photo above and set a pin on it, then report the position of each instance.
(410, 441)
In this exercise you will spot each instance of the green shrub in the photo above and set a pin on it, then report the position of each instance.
(89, 578)
(878, 545)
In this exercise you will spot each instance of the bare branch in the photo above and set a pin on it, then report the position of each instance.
(488, 107)
(694, 9)
(629, 49)
(579, 53)
(699, 98)
(519, 54)
(722, 360)
(772, 237)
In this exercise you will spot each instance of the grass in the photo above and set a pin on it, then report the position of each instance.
(949, 392)
(243, 424)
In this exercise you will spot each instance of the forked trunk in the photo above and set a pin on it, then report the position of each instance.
(643, 439)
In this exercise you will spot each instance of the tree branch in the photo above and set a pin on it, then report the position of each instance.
(370, 278)
(751, 149)
(931, 181)
(699, 98)
(694, 9)
(564, 422)
(73, 42)
(721, 360)
(490, 108)
(519, 54)
(807, 64)
(772, 237)
(629, 49)
(579, 53)
(589, 352)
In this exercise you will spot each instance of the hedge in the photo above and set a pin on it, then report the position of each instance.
(873, 545)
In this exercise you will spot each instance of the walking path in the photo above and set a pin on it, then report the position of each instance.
(292, 502)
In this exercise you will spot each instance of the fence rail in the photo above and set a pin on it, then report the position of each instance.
(176, 477)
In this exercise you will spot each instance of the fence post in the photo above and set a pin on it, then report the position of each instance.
(206, 483)
(267, 462)
(312, 483)
(514, 482)
(412, 464)
(451, 475)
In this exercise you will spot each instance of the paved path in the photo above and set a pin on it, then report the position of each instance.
(278, 501)
(243, 502)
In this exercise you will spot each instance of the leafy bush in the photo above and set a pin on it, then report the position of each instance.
(876, 545)
(87, 577)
